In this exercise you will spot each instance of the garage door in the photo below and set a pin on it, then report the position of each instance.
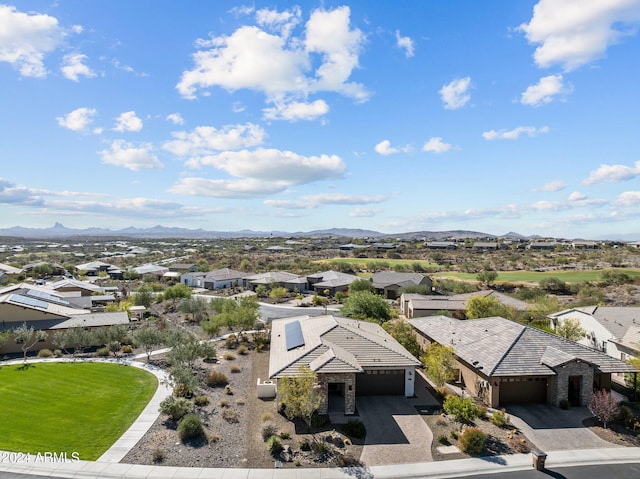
(388, 382)
(529, 390)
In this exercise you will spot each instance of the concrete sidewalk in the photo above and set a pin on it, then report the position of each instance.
(441, 469)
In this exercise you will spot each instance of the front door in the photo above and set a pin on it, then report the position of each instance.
(575, 390)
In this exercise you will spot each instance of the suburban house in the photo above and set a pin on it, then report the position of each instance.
(85, 295)
(272, 279)
(150, 270)
(441, 245)
(217, 279)
(93, 268)
(183, 268)
(584, 244)
(351, 358)
(6, 271)
(333, 281)
(47, 311)
(610, 329)
(387, 283)
(503, 362)
(418, 305)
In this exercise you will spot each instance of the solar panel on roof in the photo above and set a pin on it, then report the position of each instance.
(293, 335)
(46, 297)
(36, 303)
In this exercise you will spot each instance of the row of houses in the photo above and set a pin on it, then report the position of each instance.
(499, 361)
(501, 245)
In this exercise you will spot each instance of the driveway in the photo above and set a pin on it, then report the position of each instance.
(396, 433)
(554, 429)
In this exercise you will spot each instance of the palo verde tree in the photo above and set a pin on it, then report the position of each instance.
(486, 307)
(234, 315)
(144, 296)
(402, 332)
(439, 363)
(570, 329)
(176, 292)
(366, 305)
(487, 277)
(149, 337)
(27, 338)
(196, 307)
(300, 395)
(361, 285)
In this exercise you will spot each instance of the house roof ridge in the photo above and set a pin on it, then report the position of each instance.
(511, 346)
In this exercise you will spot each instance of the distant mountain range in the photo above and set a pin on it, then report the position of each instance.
(60, 231)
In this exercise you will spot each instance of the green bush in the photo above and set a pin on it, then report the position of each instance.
(126, 349)
(472, 440)
(564, 404)
(242, 349)
(625, 415)
(499, 418)
(274, 445)
(305, 445)
(355, 428)
(230, 415)
(454, 435)
(175, 407)
(229, 356)
(442, 439)
(182, 391)
(201, 400)
(45, 353)
(103, 352)
(464, 410)
(190, 427)
(57, 353)
(215, 378)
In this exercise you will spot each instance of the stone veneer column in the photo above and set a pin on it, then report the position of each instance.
(574, 368)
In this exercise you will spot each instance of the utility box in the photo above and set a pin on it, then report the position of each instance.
(539, 459)
(266, 389)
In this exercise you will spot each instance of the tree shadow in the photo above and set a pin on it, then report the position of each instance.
(25, 366)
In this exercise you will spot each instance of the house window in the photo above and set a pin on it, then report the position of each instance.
(623, 356)
(604, 346)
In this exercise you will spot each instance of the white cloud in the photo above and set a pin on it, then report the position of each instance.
(384, 148)
(279, 65)
(613, 173)
(629, 198)
(436, 145)
(27, 38)
(574, 32)
(514, 134)
(456, 94)
(133, 158)
(342, 199)
(244, 188)
(13, 194)
(275, 165)
(295, 111)
(128, 121)
(204, 140)
(577, 196)
(175, 118)
(289, 204)
(73, 67)
(281, 22)
(364, 212)
(78, 119)
(552, 186)
(405, 43)
(544, 91)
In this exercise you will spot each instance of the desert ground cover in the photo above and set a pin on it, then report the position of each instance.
(70, 407)
(363, 262)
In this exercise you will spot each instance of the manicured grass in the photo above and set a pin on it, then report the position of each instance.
(363, 262)
(535, 276)
(70, 407)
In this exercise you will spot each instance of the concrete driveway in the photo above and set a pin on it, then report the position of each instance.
(554, 429)
(396, 433)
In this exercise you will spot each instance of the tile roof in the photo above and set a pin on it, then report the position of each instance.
(354, 346)
(499, 347)
(382, 279)
(615, 319)
(225, 274)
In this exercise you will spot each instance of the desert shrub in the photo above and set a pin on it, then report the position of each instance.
(201, 400)
(274, 445)
(442, 439)
(182, 391)
(190, 427)
(454, 435)
(625, 416)
(347, 460)
(230, 415)
(224, 403)
(464, 410)
(261, 340)
(229, 356)
(321, 447)
(242, 349)
(347, 441)
(318, 420)
(157, 455)
(126, 349)
(231, 341)
(442, 391)
(213, 438)
(103, 352)
(472, 440)
(227, 390)
(45, 353)
(482, 411)
(175, 407)
(355, 428)
(216, 378)
(241, 401)
(499, 418)
(519, 445)
(235, 368)
(284, 435)
(57, 353)
(268, 429)
(267, 416)
(305, 445)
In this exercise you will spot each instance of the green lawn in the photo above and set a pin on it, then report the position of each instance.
(70, 407)
(534, 276)
(391, 262)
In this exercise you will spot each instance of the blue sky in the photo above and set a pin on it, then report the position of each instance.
(393, 116)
